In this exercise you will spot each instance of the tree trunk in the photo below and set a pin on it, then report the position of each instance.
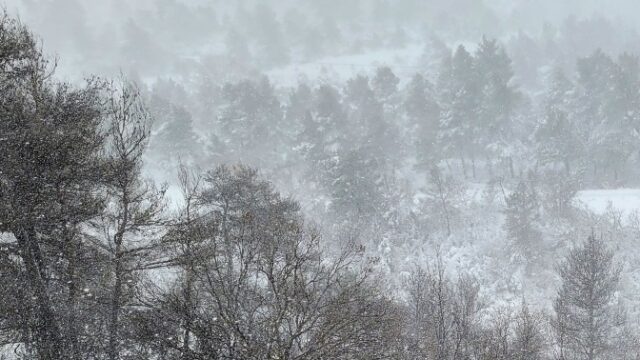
(511, 169)
(567, 166)
(186, 348)
(464, 165)
(473, 166)
(72, 288)
(114, 324)
(49, 344)
(489, 166)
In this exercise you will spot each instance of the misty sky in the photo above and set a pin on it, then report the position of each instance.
(98, 37)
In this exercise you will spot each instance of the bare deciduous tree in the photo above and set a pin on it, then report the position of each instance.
(132, 218)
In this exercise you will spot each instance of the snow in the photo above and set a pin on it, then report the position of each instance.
(404, 61)
(600, 201)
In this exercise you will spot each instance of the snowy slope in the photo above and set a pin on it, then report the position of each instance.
(405, 62)
(599, 201)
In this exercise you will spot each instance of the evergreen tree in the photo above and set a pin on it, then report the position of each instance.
(175, 138)
(365, 112)
(324, 129)
(52, 141)
(585, 304)
(499, 101)
(354, 182)
(559, 90)
(422, 112)
(522, 216)
(458, 88)
(297, 115)
(593, 87)
(618, 133)
(250, 122)
(557, 141)
(385, 85)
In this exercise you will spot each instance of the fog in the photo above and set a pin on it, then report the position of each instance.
(154, 39)
(320, 179)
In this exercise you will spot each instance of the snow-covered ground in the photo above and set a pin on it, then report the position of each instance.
(599, 201)
(337, 69)
(417, 57)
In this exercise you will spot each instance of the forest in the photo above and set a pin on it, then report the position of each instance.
(471, 196)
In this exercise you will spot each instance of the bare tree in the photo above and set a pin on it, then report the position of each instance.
(494, 340)
(466, 305)
(266, 288)
(419, 311)
(528, 342)
(132, 218)
(446, 195)
(186, 240)
(443, 314)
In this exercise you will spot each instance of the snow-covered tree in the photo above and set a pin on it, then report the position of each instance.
(52, 140)
(522, 217)
(423, 114)
(586, 313)
(557, 141)
(499, 100)
(385, 85)
(529, 341)
(174, 139)
(324, 129)
(249, 122)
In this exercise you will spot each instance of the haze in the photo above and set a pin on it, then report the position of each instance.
(320, 179)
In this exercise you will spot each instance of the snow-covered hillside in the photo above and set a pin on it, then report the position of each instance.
(626, 201)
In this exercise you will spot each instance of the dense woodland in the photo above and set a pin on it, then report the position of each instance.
(433, 217)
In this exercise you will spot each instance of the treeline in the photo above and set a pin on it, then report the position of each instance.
(390, 160)
(471, 117)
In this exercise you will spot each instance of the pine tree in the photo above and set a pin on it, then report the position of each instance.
(618, 132)
(175, 138)
(522, 216)
(52, 140)
(558, 94)
(422, 112)
(324, 128)
(499, 101)
(460, 98)
(593, 88)
(250, 120)
(557, 142)
(385, 85)
(585, 310)
(354, 183)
